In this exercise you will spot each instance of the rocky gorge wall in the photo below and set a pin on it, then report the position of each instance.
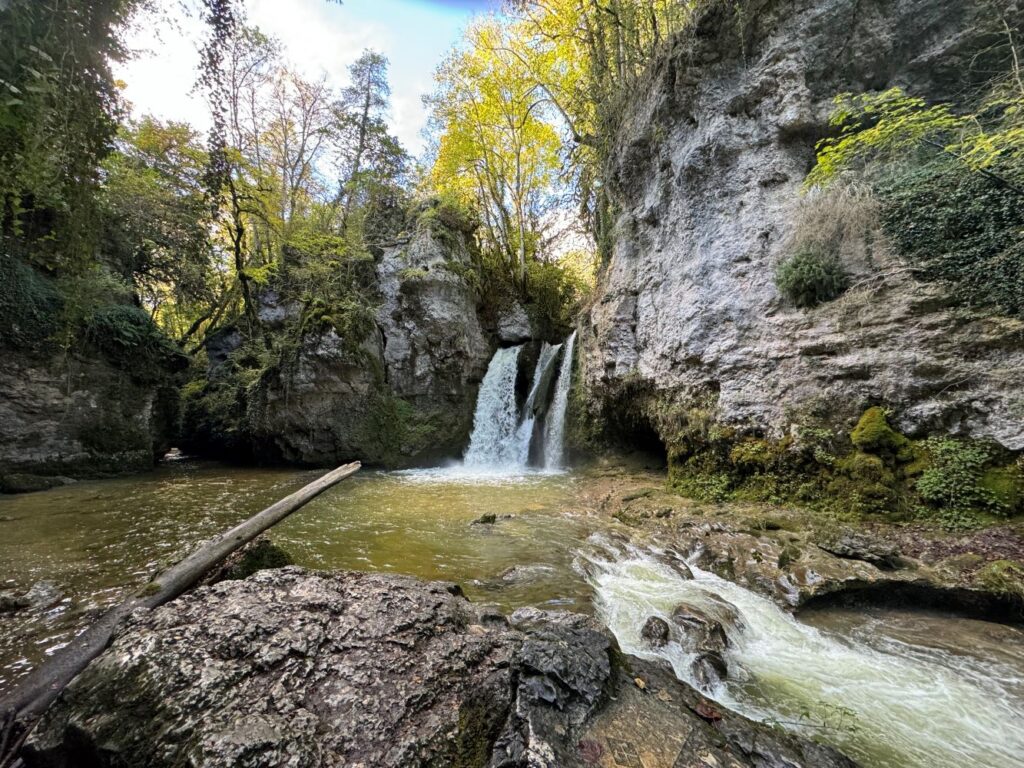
(708, 173)
(101, 409)
(407, 392)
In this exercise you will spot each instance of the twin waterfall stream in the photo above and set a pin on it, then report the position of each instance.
(503, 436)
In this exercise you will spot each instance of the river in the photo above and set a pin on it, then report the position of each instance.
(893, 689)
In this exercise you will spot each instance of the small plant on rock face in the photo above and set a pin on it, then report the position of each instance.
(811, 276)
(952, 484)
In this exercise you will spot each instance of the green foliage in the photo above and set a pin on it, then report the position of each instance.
(555, 296)
(951, 485)
(58, 113)
(156, 216)
(960, 228)
(811, 276)
(877, 124)
(30, 306)
(130, 339)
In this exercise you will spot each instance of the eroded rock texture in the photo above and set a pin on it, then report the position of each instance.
(292, 668)
(64, 416)
(708, 174)
(407, 392)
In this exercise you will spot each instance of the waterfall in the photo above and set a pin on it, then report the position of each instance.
(502, 435)
(554, 438)
(524, 436)
(496, 421)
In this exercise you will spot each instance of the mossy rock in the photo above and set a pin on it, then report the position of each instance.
(1005, 488)
(261, 555)
(1002, 577)
(866, 468)
(789, 554)
(758, 455)
(874, 435)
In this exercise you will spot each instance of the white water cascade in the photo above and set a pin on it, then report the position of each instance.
(887, 705)
(524, 436)
(554, 438)
(496, 421)
(502, 434)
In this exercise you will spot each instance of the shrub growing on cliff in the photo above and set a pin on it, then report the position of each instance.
(811, 276)
(130, 339)
(952, 485)
(959, 228)
(30, 306)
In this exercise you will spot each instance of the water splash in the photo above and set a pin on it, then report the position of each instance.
(888, 706)
(496, 421)
(554, 440)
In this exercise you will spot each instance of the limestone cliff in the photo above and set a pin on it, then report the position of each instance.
(407, 392)
(104, 408)
(708, 172)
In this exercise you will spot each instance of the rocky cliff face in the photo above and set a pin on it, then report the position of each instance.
(74, 418)
(407, 392)
(74, 414)
(708, 175)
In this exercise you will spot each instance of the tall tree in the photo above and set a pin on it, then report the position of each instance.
(497, 145)
(360, 115)
(59, 111)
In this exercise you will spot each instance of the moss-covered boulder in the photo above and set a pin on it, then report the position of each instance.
(1005, 488)
(874, 435)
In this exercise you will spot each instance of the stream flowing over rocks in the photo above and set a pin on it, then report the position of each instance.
(708, 173)
(296, 668)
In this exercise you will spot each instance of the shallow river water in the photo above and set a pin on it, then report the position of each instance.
(895, 689)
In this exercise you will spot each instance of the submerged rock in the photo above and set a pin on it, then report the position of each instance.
(518, 574)
(308, 669)
(655, 631)
(12, 601)
(701, 632)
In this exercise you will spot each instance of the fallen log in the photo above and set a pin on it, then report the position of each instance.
(36, 692)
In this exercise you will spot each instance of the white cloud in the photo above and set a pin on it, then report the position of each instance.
(318, 38)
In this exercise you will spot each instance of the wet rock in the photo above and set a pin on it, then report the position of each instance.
(701, 632)
(295, 668)
(488, 519)
(677, 562)
(708, 670)
(856, 545)
(291, 668)
(514, 326)
(519, 574)
(655, 632)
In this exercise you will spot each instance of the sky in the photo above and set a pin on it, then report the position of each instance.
(318, 37)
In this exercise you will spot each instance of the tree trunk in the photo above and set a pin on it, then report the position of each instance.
(37, 691)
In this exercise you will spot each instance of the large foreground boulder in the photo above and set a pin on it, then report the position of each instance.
(293, 668)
